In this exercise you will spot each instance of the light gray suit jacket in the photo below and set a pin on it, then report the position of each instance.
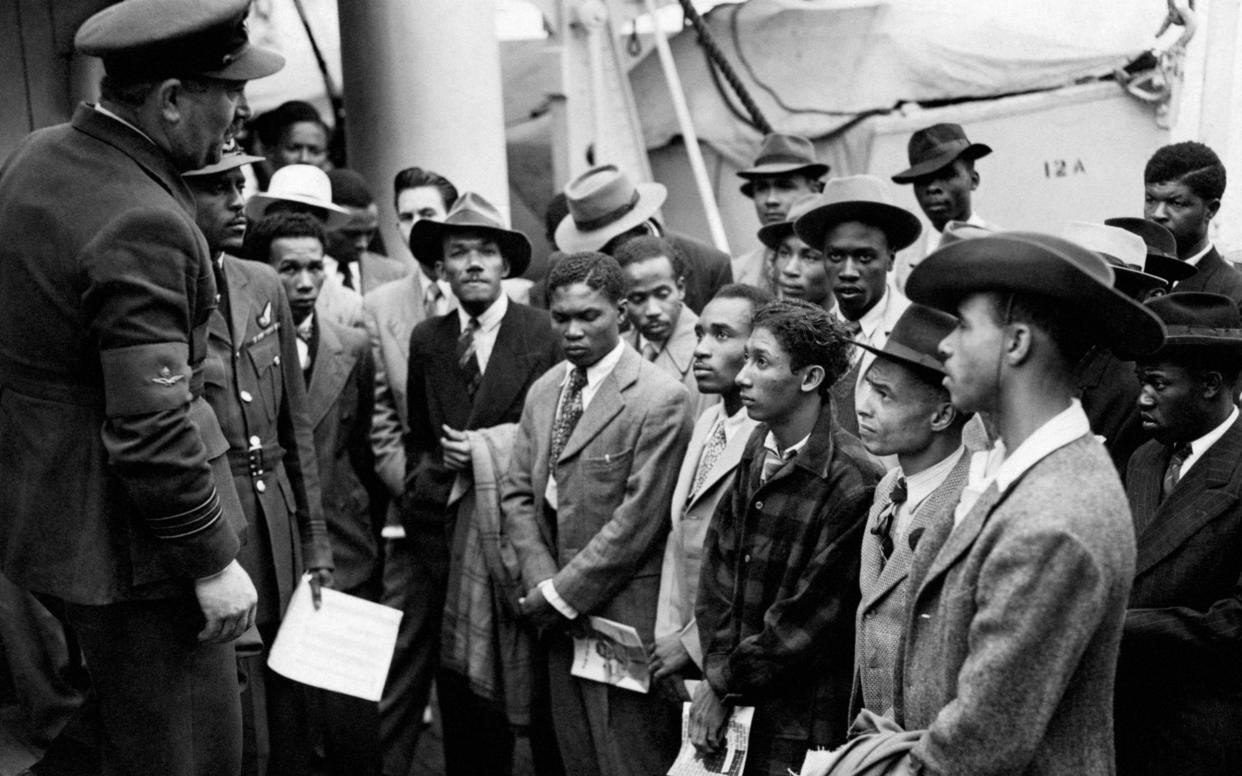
(1012, 631)
(615, 481)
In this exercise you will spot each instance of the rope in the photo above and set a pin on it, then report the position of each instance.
(716, 57)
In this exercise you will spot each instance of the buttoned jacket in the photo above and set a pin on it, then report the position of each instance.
(1216, 276)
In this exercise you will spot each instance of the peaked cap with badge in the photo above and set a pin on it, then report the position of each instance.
(470, 213)
(936, 147)
(781, 154)
(862, 198)
(231, 157)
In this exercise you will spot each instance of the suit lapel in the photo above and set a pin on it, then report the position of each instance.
(505, 374)
(679, 352)
(962, 536)
(332, 366)
(1143, 484)
(607, 403)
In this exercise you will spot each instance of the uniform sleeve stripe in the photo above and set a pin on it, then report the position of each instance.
(190, 522)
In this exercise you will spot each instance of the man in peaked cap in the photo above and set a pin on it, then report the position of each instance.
(1016, 605)
(118, 506)
(1179, 685)
(784, 170)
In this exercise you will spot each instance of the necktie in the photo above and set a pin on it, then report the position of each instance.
(467, 359)
(222, 294)
(306, 332)
(883, 527)
(773, 461)
(1173, 472)
(650, 351)
(711, 453)
(567, 415)
(853, 327)
(431, 299)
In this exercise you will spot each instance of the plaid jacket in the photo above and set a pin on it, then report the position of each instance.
(779, 585)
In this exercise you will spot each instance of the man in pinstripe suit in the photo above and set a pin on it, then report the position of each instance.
(903, 411)
(1179, 678)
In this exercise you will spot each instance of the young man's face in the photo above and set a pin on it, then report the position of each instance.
(801, 272)
(654, 298)
(1175, 207)
(858, 262)
(1171, 401)
(299, 262)
(723, 328)
(473, 267)
(944, 194)
(588, 322)
(413, 205)
(362, 226)
(973, 352)
(304, 142)
(220, 209)
(775, 194)
(770, 389)
(896, 412)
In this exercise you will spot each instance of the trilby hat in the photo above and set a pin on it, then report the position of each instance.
(1196, 319)
(1043, 265)
(304, 184)
(1161, 248)
(936, 146)
(861, 198)
(772, 235)
(1125, 252)
(915, 338)
(470, 213)
(603, 203)
(781, 154)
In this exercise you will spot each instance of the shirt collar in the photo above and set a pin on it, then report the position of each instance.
(920, 486)
(1194, 260)
(596, 372)
(769, 444)
(1201, 445)
(101, 109)
(872, 319)
(490, 318)
(1056, 433)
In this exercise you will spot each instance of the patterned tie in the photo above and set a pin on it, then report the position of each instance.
(567, 415)
(711, 453)
(883, 527)
(467, 359)
(650, 351)
(1173, 472)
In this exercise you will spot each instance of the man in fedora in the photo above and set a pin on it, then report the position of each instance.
(1162, 258)
(1183, 184)
(118, 509)
(785, 169)
(859, 232)
(1179, 684)
(906, 413)
(469, 371)
(942, 172)
(606, 209)
(798, 270)
(1016, 605)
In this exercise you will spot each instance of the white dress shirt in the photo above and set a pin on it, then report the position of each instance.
(1198, 257)
(489, 326)
(918, 488)
(1201, 445)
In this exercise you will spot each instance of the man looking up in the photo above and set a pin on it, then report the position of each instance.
(716, 445)
(116, 504)
(779, 584)
(1183, 184)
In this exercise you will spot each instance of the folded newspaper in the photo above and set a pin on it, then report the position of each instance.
(613, 654)
(731, 759)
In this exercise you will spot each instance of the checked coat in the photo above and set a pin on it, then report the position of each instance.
(779, 590)
(1179, 679)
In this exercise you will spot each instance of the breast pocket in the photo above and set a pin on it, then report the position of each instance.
(606, 475)
(264, 357)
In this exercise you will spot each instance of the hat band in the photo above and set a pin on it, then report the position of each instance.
(599, 222)
(1192, 330)
(783, 159)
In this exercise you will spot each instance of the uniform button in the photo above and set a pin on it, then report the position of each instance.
(255, 441)
(758, 505)
(246, 397)
(275, 359)
(746, 558)
(260, 486)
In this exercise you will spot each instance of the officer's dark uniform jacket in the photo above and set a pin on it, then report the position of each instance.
(107, 490)
(254, 384)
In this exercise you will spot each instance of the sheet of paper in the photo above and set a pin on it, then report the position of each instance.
(613, 654)
(345, 646)
(729, 760)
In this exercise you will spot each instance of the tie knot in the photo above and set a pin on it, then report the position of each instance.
(1182, 452)
(577, 379)
(899, 494)
(853, 327)
(472, 326)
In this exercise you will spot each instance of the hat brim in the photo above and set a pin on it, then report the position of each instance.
(814, 170)
(254, 62)
(427, 243)
(901, 226)
(972, 151)
(1169, 268)
(226, 163)
(571, 239)
(257, 205)
(903, 354)
(772, 235)
(1003, 263)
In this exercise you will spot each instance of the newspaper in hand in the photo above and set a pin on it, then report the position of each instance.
(613, 654)
(731, 759)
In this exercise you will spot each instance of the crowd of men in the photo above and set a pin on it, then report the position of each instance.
(958, 501)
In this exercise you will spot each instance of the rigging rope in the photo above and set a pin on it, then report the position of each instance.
(717, 61)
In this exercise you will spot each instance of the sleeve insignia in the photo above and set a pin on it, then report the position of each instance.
(167, 379)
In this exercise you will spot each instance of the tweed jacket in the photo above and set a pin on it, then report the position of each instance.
(677, 357)
(691, 515)
(614, 484)
(779, 585)
(113, 480)
(882, 612)
(1179, 680)
(1215, 275)
(1014, 621)
(339, 400)
(254, 383)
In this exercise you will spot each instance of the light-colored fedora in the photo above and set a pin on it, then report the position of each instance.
(1124, 250)
(603, 203)
(862, 198)
(304, 184)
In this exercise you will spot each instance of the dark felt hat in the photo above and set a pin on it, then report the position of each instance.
(781, 155)
(1161, 248)
(772, 235)
(1195, 319)
(140, 39)
(862, 198)
(915, 338)
(470, 213)
(935, 147)
(1043, 265)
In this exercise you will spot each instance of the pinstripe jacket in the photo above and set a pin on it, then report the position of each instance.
(1179, 682)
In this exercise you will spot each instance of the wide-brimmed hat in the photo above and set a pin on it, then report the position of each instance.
(145, 39)
(603, 203)
(304, 184)
(956, 231)
(231, 158)
(781, 155)
(1124, 251)
(937, 146)
(1196, 319)
(1161, 248)
(861, 198)
(772, 235)
(1043, 265)
(470, 213)
(915, 338)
